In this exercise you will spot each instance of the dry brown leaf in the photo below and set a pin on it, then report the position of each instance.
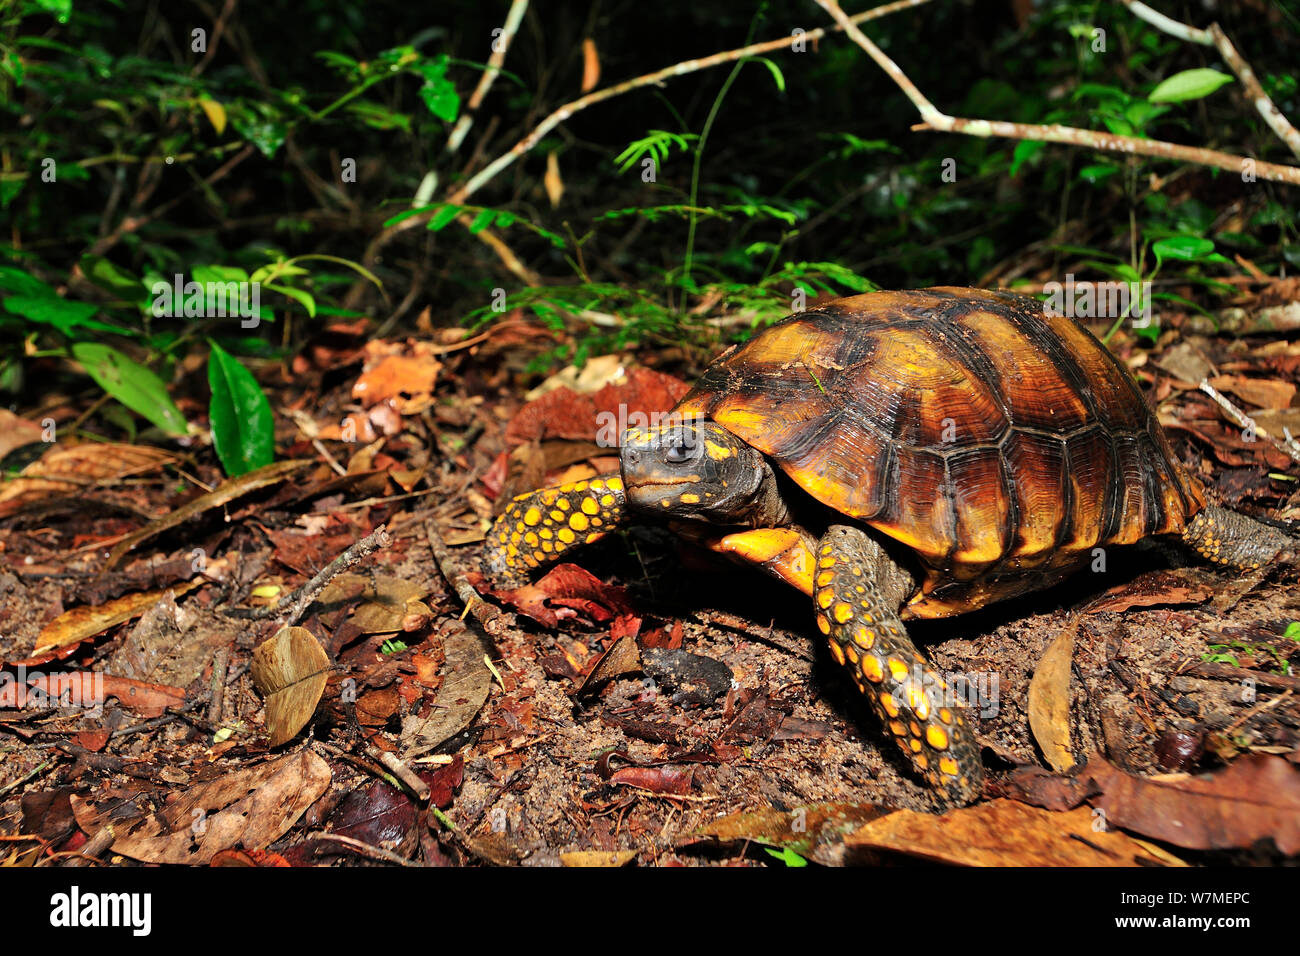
(1260, 392)
(1049, 701)
(389, 605)
(1006, 833)
(553, 181)
(82, 623)
(400, 374)
(590, 65)
(602, 858)
(801, 829)
(1254, 797)
(290, 670)
(465, 685)
(224, 493)
(69, 470)
(249, 808)
(15, 432)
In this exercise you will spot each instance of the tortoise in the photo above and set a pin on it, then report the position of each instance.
(896, 456)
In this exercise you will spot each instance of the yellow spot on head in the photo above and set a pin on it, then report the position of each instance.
(590, 506)
(690, 499)
(578, 522)
(615, 484)
(566, 535)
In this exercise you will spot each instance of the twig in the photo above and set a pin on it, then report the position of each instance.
(1214, 36)
(1286, 445)
(499, 48)
(291, 606)
(1214, 671)
(677, 69)
(936, 120)
(489, 618)
(97, 844)
(217, 687)
(365, 849)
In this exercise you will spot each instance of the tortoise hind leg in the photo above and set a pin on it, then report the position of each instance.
(539, 527)
(1226, 537)
(866, 635)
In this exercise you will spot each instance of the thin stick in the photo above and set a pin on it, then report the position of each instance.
(499, 48)
(489, 618)
(291, 606)
(1286, 445)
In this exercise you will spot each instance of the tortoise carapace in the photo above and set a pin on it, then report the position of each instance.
(901, 455)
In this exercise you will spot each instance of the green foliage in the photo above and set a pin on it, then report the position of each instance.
(243, 428)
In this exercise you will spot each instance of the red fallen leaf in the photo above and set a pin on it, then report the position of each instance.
(88, 688)
(92, 740)
(625, 625)
(1148, 591)
(444, 781)
(248, 858)
(564, 413)
(566, 591)
(663, 638)
(670, 780)
(1254, 797)
(495, 476)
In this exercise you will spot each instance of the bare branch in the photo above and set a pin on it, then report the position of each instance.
(499, 48)
(941, 122)
(1214, 36)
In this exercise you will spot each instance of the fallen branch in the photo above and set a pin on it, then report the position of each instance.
(936, 120)
(499, 48)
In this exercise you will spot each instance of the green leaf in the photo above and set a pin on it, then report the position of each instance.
(442, 100)
(777, 75)
(243, 428)
(1182, 248)
(108, 275)
(298, 295)
(63, 314)
(1025, 151)
(1098, 172)
(1292, 632)
(132, 384)
(1188, 85)
(482, 221)
(443, 216)
(787, 856)
(16, 280)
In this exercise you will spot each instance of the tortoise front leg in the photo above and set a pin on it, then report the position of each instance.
(539, 527)
(1226, 537)
(857, 594)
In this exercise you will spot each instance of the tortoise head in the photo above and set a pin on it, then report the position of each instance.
(695, 469)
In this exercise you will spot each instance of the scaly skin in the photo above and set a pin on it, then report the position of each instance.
(538, 527)
(1232, 539)
(868, 637)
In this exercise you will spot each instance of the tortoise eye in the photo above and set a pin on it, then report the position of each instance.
(679, 454)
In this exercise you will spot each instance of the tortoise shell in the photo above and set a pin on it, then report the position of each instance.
(1000, 443)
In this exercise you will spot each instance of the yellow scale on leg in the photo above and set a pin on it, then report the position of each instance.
(536, 528)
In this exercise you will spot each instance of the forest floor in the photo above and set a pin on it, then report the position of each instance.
(651, 704)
